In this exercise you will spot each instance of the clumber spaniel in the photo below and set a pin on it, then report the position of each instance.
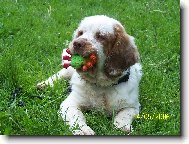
(111, 85)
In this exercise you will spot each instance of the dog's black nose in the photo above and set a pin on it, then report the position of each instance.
(79, 43)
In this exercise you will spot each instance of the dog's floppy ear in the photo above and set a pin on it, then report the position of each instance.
(122, 54)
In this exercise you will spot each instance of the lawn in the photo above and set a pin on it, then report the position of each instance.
(32, 36)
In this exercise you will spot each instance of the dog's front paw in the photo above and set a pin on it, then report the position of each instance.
(85, 130)
(124, 126)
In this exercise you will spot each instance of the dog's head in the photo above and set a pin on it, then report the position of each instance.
(115, 49)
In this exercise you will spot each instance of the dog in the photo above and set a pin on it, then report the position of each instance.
(112, 85)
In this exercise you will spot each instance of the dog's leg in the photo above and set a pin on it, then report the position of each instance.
(63, 73)
(124, 118)
(72, 115)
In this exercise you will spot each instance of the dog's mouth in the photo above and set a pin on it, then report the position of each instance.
(85, 49)
(90, 71)
(90, 64)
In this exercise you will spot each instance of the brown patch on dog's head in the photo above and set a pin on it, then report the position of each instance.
(120, 53)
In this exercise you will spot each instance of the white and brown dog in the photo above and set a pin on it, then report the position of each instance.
(111, 85)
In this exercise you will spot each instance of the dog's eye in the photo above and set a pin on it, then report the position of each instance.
(100, 36)
(79, 33)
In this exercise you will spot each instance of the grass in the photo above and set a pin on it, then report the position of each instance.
(32, 36)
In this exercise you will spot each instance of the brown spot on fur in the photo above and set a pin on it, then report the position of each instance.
(105, 102)
(120, 54)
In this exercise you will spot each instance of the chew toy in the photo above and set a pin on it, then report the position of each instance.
(78, 61)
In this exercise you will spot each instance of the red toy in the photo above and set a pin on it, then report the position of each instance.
(78, 61)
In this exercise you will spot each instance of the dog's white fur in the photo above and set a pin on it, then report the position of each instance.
(98, 92)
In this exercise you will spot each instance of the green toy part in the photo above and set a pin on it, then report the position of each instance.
(77, 61)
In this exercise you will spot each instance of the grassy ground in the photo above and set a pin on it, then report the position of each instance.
(32, 36)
